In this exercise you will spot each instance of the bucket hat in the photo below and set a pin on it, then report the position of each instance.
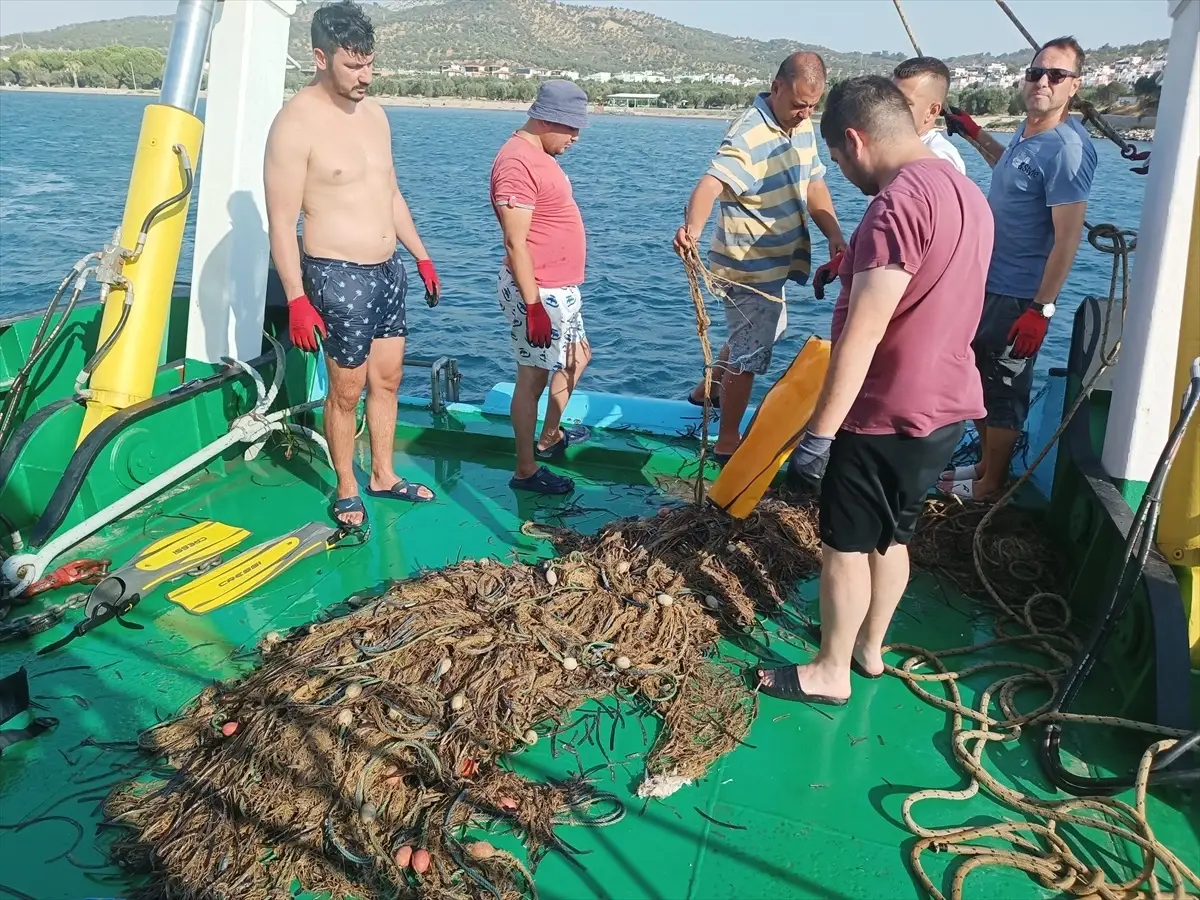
(561, 102)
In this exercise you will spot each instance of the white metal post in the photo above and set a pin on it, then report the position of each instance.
(246, 71)
(1143, 405)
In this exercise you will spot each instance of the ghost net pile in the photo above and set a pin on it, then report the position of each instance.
(354, 759)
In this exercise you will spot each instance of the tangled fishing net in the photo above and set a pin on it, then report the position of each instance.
(355, 759)
(355, 756)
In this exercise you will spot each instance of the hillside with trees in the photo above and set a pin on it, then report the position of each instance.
(424, 34)
(421, 35)
(140, 68)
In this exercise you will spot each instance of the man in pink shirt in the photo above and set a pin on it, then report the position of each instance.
(545, 252)
(902, 379)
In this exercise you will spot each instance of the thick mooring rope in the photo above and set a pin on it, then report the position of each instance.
(1039, 624)
(695, 268)
(699, 274)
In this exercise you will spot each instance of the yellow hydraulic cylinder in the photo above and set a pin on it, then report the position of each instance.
(126, 374)
(1179, 522)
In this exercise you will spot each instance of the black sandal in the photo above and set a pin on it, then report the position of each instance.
(714, 402)
(349, 505)
(786, 686)
(405, 490)
(814, 631)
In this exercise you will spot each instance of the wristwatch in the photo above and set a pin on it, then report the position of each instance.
(1046, 309)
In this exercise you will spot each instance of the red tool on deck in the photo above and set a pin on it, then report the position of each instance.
(81, 571)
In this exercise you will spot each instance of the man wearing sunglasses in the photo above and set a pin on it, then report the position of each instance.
(1039, 194)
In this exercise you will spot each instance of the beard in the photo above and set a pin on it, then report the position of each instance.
(858, 177)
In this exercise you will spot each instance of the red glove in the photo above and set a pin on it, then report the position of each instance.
(303, 319)
(537, 325)
(433, 285)
(826, 274)
(1027, 333)
(958, 122)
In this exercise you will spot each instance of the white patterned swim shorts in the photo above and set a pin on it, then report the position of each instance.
(563, 305)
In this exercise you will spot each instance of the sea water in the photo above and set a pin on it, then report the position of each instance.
(64, 169)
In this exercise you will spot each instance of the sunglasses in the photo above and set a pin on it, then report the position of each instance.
(1055, 76)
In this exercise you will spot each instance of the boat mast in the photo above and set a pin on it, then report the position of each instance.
(1144, 404)
(137, 272)
(247, 65)
(184, 69)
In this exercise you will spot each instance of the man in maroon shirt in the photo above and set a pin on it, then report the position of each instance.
(902, 379)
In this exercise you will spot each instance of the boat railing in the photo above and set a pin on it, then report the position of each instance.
(444, 379)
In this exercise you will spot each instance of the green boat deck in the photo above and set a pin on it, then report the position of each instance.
(809, 807)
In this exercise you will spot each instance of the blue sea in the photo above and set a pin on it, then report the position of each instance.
(64, 169)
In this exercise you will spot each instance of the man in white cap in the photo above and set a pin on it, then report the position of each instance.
(545, 254)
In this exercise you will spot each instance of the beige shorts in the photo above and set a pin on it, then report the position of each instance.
(755, 325)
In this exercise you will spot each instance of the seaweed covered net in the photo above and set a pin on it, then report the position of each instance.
(363, 746)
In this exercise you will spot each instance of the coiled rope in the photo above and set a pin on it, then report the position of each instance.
(1039, 847)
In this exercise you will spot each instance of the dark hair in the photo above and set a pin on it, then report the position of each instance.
(868, 103)
(923, 65)
(804, 65)
(1066, 42)
(343, 25)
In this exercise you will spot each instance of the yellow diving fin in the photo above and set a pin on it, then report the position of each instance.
(774, 432)
(250, 570)
(191, 550)
(179, 553)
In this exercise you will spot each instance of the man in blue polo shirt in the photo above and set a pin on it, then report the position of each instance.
(770, 182)
(1039, 193)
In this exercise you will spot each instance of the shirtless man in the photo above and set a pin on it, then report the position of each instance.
(329, 154)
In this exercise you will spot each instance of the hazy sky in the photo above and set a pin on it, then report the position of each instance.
(944, 27)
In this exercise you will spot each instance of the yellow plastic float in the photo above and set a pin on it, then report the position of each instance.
(774, 432)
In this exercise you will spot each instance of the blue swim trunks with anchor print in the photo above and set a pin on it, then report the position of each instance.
(358, 303)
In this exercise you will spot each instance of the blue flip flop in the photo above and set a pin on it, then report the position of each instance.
(405, 490)
(543, 481)
(349, 505)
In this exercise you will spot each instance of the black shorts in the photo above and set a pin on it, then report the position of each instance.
(358, 303)
(1007, 382)
(875, 486)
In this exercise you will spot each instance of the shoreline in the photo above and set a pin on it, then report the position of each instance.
(1130, 127)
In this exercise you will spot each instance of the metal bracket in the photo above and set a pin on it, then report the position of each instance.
(444, 380)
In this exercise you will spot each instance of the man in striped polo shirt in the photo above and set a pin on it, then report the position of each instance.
(770, 181)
